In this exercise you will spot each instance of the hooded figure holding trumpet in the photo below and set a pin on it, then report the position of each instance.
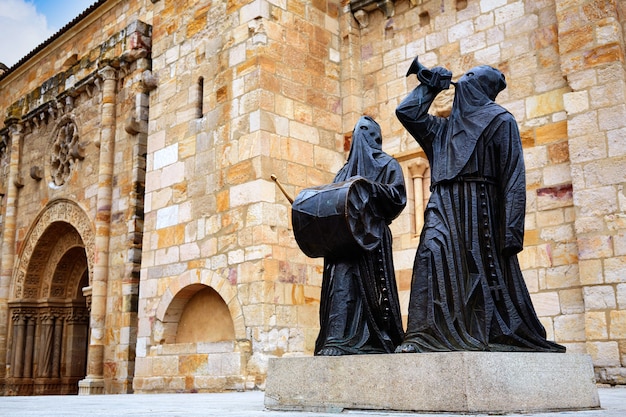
(467, 290)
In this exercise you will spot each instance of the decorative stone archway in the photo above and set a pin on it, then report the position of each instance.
(57, 211)
(48, 332)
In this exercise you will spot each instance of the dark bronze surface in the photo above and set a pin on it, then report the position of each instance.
(346, 222)
(467, 291)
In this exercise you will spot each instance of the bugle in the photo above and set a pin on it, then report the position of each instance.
(428, 77)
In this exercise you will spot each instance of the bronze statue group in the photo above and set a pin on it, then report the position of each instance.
(467, 289)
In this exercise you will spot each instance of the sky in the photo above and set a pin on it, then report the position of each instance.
(25, 24)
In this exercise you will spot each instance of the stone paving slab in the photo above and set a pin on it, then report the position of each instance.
(235, 404)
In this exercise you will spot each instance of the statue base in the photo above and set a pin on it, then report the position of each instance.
(452, 382)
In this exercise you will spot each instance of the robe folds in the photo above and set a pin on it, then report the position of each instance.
(359, 307)
(467, 289)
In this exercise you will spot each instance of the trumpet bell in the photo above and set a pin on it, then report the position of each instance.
(426, 76)
(415, 67)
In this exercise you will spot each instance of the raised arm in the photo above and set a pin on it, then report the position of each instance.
(413, 114)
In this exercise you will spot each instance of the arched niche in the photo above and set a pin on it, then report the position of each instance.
(198, 314)
(198, 324)
(178, 294)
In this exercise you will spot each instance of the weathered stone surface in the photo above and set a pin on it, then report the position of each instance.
(454, 382)
(283, 83)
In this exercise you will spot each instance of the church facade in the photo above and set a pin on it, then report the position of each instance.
(145, 247)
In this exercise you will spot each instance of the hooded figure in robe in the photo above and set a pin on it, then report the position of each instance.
(467, 289)
(359, 308)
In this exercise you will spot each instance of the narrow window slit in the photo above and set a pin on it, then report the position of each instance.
(199, 97)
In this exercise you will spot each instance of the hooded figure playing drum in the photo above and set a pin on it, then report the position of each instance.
(467, 291)
(360, 310)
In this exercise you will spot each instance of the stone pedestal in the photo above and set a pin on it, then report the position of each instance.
(89, 386)
(453, 382)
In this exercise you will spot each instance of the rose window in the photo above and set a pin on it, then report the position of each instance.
(66, 151)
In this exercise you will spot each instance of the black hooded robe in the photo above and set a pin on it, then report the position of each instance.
(467, 290)
(359, 308)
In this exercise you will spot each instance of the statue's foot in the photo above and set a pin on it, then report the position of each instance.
(407, 348)
(330, 351)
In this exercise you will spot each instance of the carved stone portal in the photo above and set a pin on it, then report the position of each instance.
(49, 316)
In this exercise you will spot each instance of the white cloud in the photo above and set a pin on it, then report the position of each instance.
(22, 29)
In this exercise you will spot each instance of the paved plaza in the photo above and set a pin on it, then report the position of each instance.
(240, 404)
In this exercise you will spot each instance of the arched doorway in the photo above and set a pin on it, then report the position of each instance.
(49, 316)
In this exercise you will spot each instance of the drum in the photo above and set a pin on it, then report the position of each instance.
(336, 220)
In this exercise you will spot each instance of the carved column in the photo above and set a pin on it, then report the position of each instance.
(94, 381)
(56, 347)
(17, 364)
(44, 362)
(30, 346)
(8, 240)
(418, 170)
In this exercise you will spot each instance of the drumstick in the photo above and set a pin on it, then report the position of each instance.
(280, 186)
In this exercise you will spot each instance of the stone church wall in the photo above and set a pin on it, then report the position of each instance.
(183, 110)
(246, 90)
(70, 158)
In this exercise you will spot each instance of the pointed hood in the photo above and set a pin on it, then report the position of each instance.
(366, 157)
(473, 111)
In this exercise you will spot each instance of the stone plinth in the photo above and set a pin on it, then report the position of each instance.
(463, 382)
(89, 386)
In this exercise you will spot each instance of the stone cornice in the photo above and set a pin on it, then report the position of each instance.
(386, 6)
(55, 96)
(361, 8)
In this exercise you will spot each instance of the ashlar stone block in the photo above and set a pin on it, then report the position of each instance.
(570, 328)
(489, 5)
(604, 353)
(599, 297)
(454, 382)
(618, 324)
